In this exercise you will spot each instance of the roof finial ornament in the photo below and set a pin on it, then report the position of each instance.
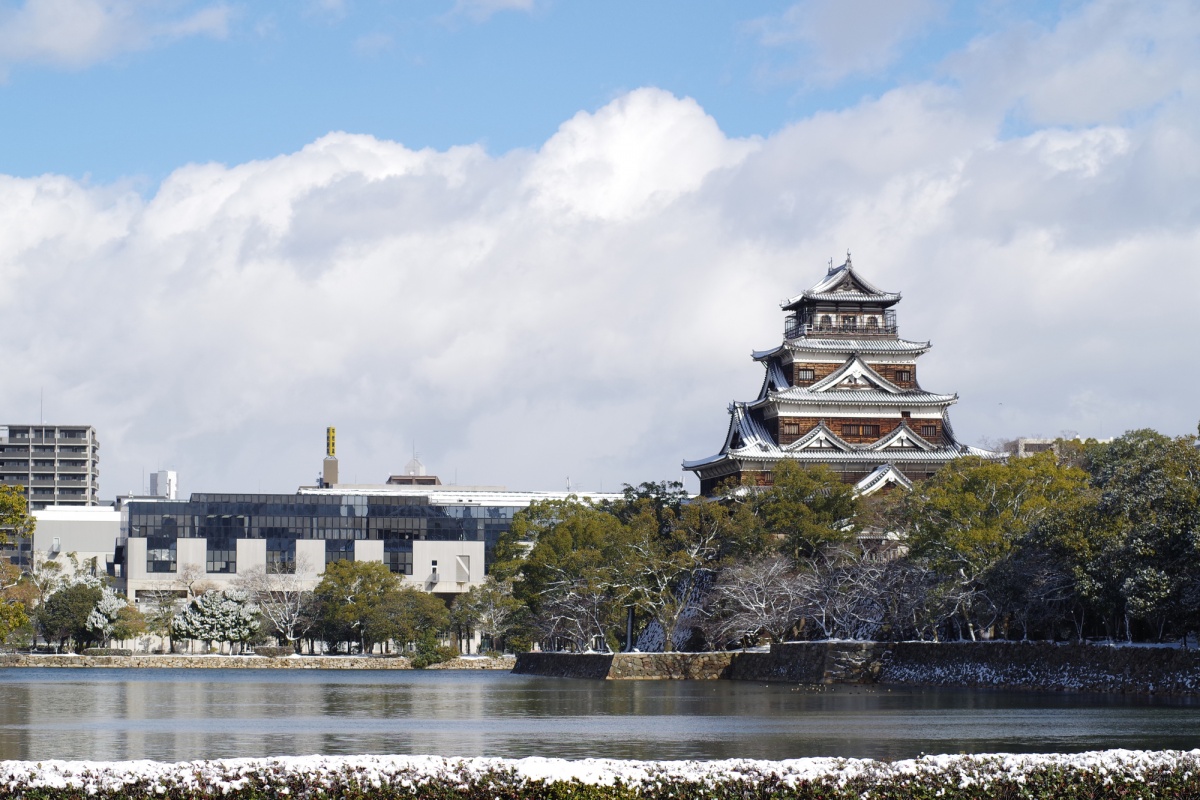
(848, 266)
(830, 270)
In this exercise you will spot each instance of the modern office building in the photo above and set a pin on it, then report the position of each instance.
(51, 464)
(436, 538)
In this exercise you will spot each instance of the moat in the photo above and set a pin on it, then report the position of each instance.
(182, 714)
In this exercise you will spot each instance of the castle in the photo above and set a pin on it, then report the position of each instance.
(840, 390)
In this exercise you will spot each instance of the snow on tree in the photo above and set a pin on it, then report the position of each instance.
(104, 615)
(225, 615)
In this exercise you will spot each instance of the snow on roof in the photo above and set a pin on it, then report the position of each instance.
(844, 285)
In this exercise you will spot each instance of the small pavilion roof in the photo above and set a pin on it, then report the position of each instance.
(843, 285)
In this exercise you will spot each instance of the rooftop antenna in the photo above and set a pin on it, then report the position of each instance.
(41, 406)
(568, 483)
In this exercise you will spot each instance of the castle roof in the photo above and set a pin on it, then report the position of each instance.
(843, 285)
(748, 440)
(854, 383)
(812, 344)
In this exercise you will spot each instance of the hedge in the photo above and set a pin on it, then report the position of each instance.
(1096, 776)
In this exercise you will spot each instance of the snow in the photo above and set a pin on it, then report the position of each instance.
(224, 776)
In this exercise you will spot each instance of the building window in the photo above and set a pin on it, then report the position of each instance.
(281, 555)
(904, 375)
(805, 374)
(860, 430)
(398, 556)
(339, 550)
(791, 429)
(826, 321)
(872, 324)
(160, 554)
(220, 555)
(850, 323)
(929, 430)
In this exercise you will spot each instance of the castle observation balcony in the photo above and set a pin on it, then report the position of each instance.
(841, 326)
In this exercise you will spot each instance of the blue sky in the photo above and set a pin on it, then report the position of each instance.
(540, 239)
(266, 78)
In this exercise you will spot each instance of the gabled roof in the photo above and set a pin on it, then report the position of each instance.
(883, 475)
(854, 374)
(902, 438)
(854, 383)
(844, 285)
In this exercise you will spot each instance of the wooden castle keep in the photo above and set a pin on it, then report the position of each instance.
(840, 390)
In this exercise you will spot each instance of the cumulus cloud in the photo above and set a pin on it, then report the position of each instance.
(78, 33)
(587, 308)
(833, 39)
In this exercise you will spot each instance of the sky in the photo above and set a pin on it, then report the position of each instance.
(536, 241)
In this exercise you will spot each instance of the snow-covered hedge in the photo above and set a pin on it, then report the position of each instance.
(1110, 774)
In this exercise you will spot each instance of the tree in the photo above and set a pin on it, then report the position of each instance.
(15, 519)
(568, 579)
(64, 615)
(104, 615)
(13, 613)
(407, 616)
(284, 600)
(753, 598)
(973, 513)
(130, 623)
(350, 598)
(664, 571)
(488, 608)
(162, 606)
(806, 507)
(225, 615)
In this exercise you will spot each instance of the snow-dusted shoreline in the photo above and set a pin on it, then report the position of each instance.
(1151, 773)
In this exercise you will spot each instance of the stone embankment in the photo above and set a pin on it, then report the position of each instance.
(626, 666)
(1001, 665)
(246, 662)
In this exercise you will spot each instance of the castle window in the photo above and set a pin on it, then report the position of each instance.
(872, 323)
(805, 374)
(860, 430)
(826, 321)
(791, 428)
(929, 430)
(850, 323)
(904, 375)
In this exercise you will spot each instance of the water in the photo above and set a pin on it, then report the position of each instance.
(173, 715)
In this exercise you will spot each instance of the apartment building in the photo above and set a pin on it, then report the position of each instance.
(51, 464)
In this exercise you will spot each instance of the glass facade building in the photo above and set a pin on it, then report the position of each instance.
(282, 520)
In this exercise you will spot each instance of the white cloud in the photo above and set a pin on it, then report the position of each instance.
(834, 39)
(587, 308)
(481, 10)
(78, 33)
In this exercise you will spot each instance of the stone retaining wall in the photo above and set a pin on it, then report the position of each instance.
(1034, 666)
(1040, 665)
(626, 666)
(244, 662)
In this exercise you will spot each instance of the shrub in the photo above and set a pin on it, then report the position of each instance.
(274, 652)
(106, 651)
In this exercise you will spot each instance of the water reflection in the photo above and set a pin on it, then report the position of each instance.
(185, 714)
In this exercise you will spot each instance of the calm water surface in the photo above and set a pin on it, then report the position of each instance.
(176, 714)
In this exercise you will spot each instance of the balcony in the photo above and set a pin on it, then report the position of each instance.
(853, 328)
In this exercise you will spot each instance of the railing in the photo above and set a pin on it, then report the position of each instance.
(793, 329)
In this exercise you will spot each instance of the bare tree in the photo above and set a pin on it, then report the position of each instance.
(576, 610)
(752, 598)
(283, 598)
